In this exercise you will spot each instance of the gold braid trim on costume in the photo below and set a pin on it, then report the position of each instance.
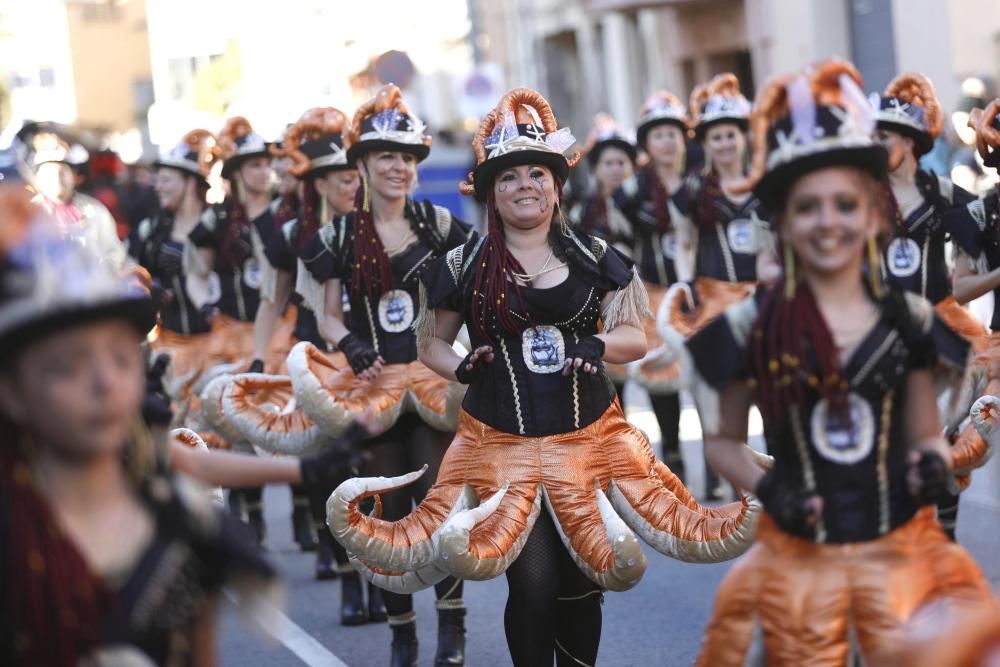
(630, 305)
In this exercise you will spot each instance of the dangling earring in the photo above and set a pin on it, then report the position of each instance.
(789, 272)
(241, 194)
(874, 267)
(324, 211)
(367, 200)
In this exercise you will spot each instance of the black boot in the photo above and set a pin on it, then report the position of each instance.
(352, 600)
(451, 633)
(324, 556)
(302, 525)
(404, 640)
(376, 605)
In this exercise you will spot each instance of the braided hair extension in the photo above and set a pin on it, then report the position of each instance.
(309, 222)
(597, 213)
(371, 274)
(660, 195)
(288, 208)
(706, 208)
(496, 263)
(49, 584)
(791, 342)
(233, 250)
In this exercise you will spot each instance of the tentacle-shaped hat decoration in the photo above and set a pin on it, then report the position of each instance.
(605, 132)
(315, 141)
(238, 142)
(386, 123)
(195, 154)
(662, 107)
(803, 122)
(718, 101)
(910, 106)
(522, 129)
(987, 127)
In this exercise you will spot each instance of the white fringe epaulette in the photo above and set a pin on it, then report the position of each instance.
(425, 323)
(268, 274)
(630, 305)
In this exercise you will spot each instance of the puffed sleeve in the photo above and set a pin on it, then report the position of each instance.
(325, 254)
(718, 356)
(936, 346)
(208, 232)
(279, 249)
(627, 199)
(630, 302)
(442, 285)
(969, 225)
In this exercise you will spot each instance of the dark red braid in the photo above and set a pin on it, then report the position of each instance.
(55, 600)
(891, 206)
(309, 218)
(496, 262)
(372, 272)
(597, 214)
(791, 345)
(233, 251)
(288, 208)
(659, 193)
(706, 208)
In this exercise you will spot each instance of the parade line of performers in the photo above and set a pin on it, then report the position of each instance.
(446, 404)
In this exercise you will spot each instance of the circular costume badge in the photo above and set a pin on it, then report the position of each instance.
(903, 257)
(669, 244)
(214, 284)
(846, 436)
(252, 273)
(395, 311)
(742, 236)
(543, 349)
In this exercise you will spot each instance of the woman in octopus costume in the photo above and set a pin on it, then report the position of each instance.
(722, 229)
(841, 369)
(540, 423)
(918, 201)
(314, 145)
(647, 200)
(377, 253)
(223, 267)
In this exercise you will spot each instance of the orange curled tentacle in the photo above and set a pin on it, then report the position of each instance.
(235, 128)
(915, 88)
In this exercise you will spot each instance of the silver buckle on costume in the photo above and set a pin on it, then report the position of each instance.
(395, 311)
(543, 349)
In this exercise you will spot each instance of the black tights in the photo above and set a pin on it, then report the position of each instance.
(552, 607)
(406, 447)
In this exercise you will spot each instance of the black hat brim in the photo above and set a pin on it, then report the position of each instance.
(621, 144)
(486, 173)
(140, 312)
(642, 131)
(326, 169)
(922, 141)
(362, 148)
(872, 159)
(187, 172)
(233, 163)
(702, 128)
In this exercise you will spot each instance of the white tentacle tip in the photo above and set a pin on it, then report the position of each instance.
(985, 414)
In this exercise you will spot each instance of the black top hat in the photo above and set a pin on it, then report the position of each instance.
(719, 101)
(910, 107)
(606, 133)
(49, 281)
(662, 108)
(315, 143)
(385, 123)
(521, 130)
(812, 121)
(194, 155)
(238, 142)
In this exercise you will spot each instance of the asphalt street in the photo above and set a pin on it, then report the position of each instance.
(659, 622)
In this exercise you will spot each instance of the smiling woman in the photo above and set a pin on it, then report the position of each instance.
(545, 477)
(842, 370)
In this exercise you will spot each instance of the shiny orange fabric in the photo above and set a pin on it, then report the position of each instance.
(568, 466)
(970, 450)
(713, 297)
(805, 595)
(385, 391)
(962, 321)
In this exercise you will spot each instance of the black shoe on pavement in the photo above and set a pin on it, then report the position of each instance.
(352, 600)
(451, 635)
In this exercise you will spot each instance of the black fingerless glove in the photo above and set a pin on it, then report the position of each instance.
(589, 348)
(256, 366)
(465, 375)
(933, 473)
(360, 355)
(789, 506)
(156, 410)
(320, 471)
